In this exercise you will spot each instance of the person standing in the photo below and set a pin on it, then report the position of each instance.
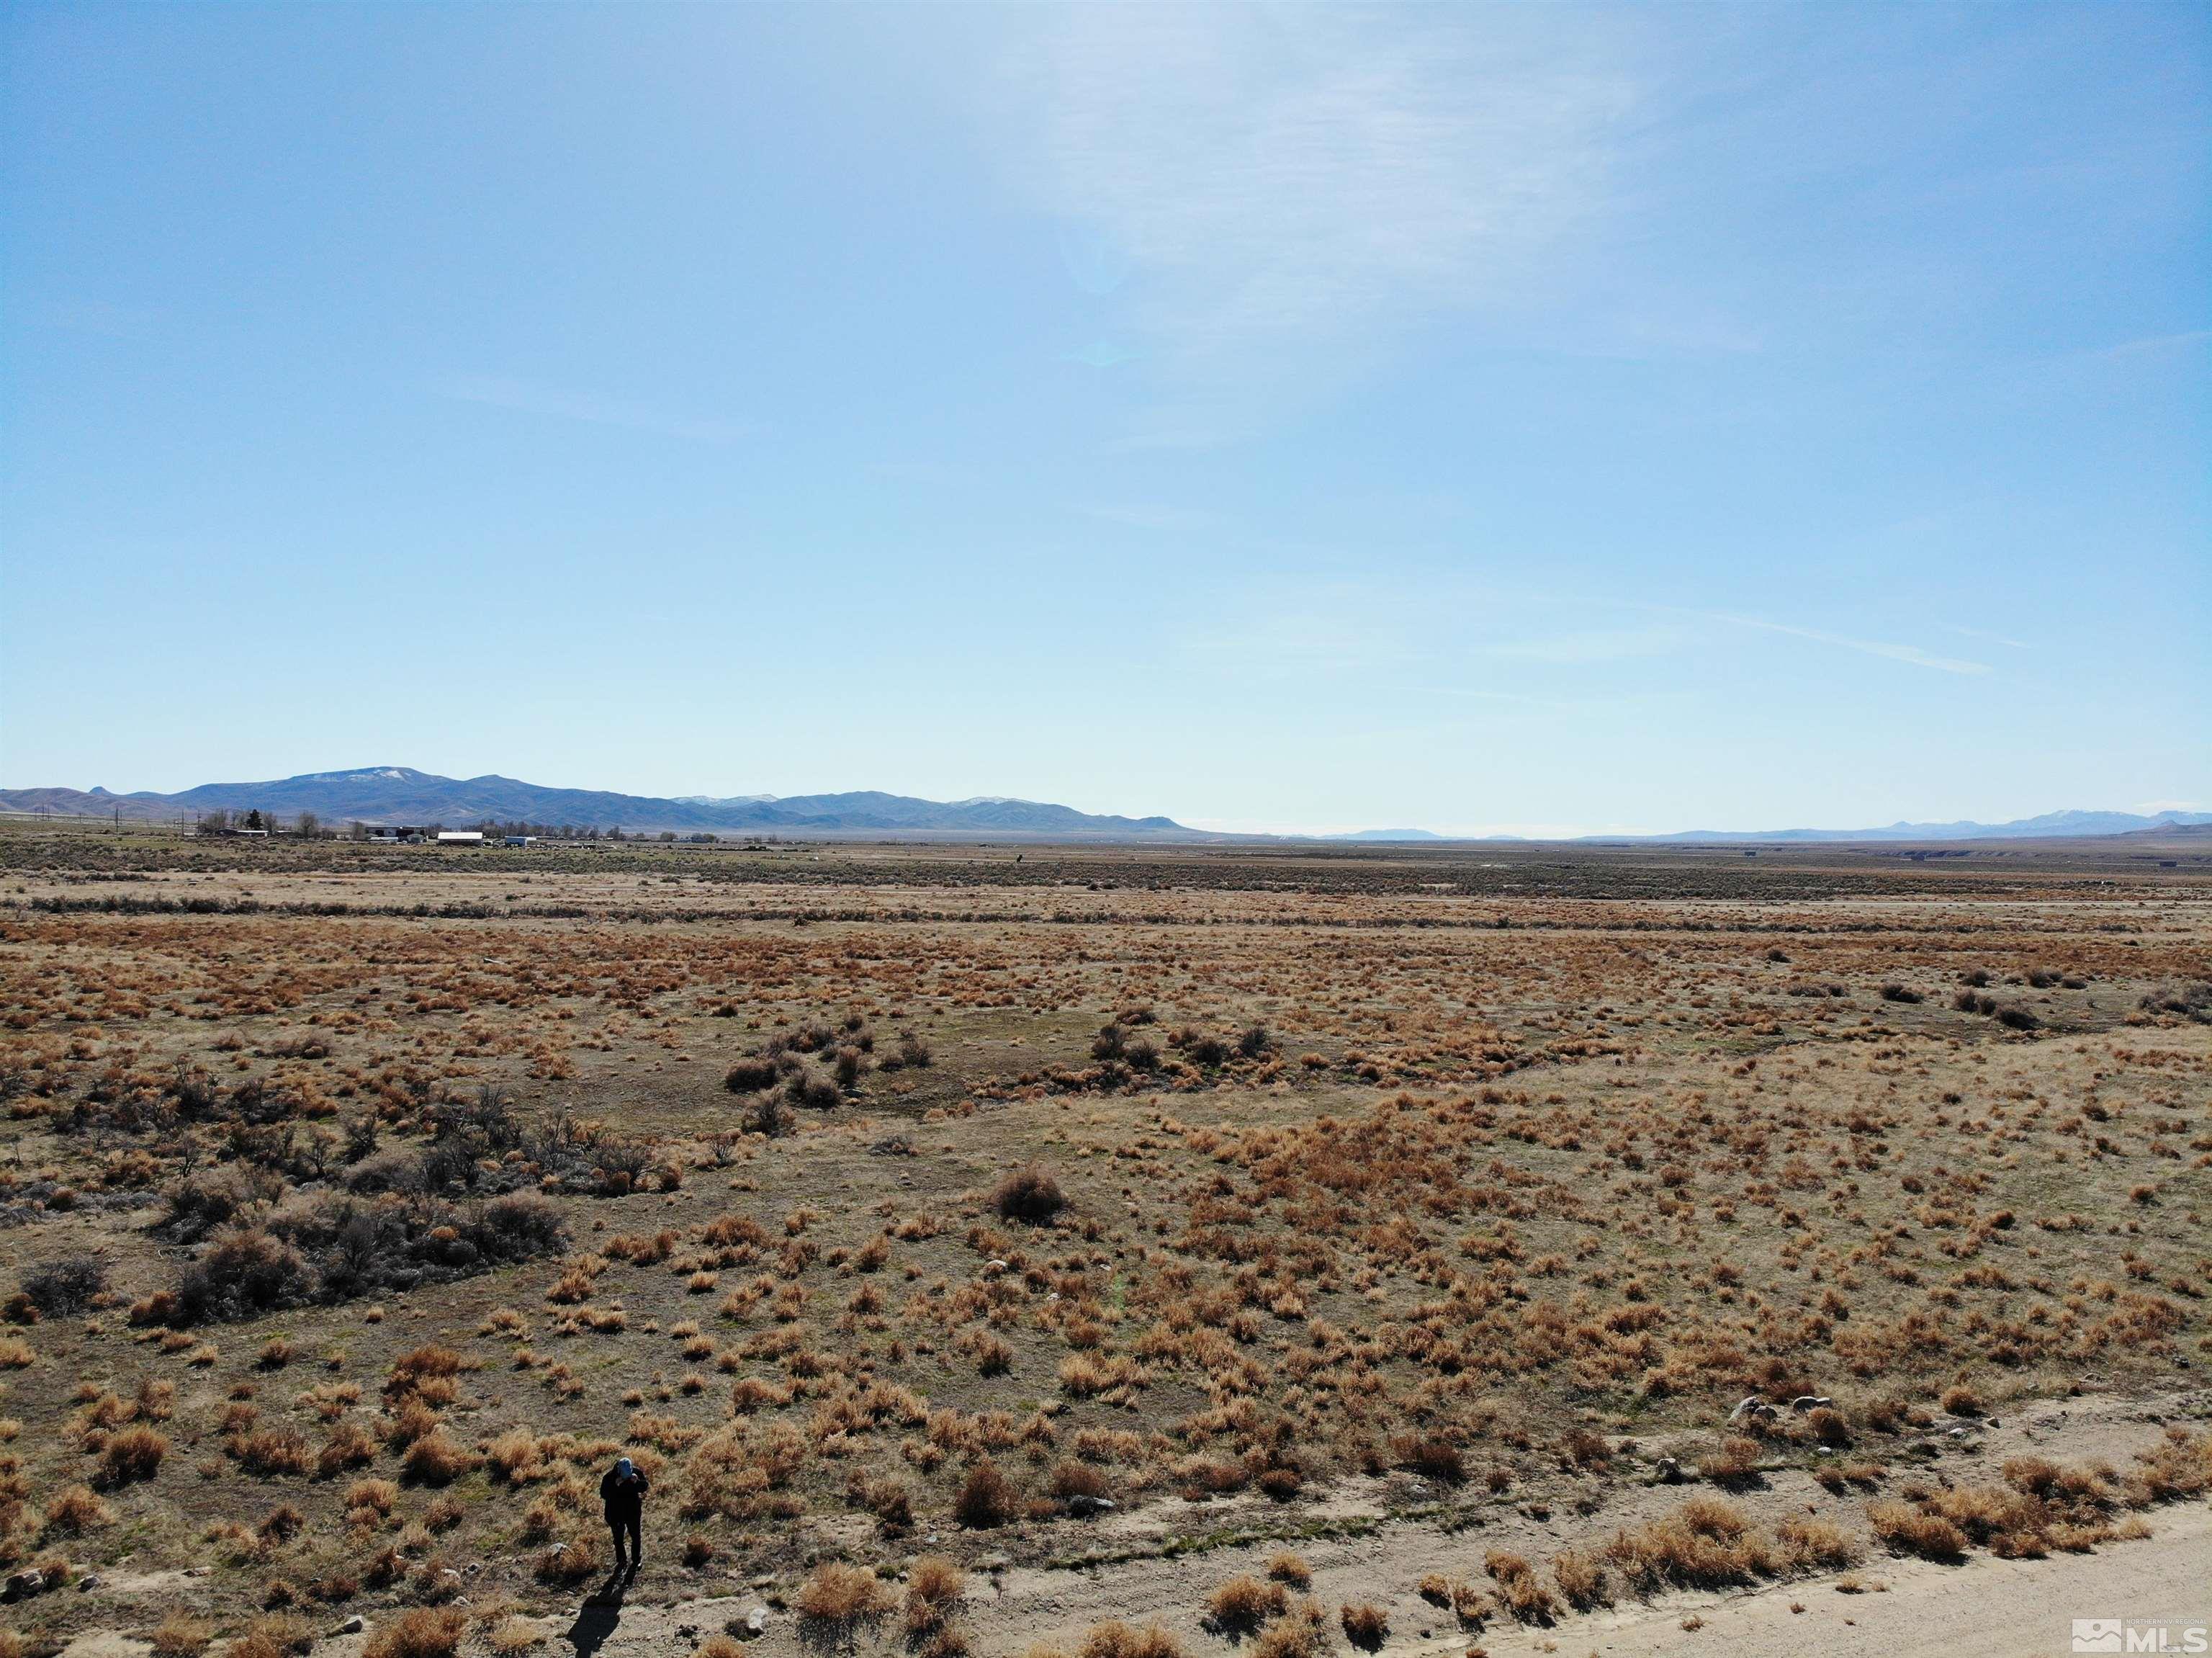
(622, 1490)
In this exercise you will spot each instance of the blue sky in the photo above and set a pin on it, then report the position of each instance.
(1536, 419)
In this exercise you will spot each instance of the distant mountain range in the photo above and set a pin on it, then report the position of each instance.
(382, 795)
(2050, 824)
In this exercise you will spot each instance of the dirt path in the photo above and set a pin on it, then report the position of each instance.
(1986, 1608)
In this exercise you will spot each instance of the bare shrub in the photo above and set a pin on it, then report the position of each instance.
(987, 1498)
(63, 1287)
(1029, 1194)
(751, 1076)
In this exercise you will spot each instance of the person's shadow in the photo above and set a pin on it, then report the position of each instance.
(597, 1617)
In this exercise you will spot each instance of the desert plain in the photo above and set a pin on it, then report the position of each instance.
(1109, 1251)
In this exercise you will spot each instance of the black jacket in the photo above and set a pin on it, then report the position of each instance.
(625, 1498)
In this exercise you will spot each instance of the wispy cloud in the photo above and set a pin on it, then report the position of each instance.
(1587, 645)
(1897, 653)
(1299, 640)
(1994, 639)
(2157, 343)
(529, 397)
(1143, 516)
(1294, 189)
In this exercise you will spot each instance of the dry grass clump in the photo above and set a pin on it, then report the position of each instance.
(836, 1598)
(1288, 1568)
(986, 1498)
(436, 1459)
(1114, 1639)
(132, 1454)
(1907, 1529)
(1244, 1603)
(1430, 1454)
(515, 1634)
(1301, 1632)
(1961, 1400)
(2178, 1466)
(1519, 1590)
(269, 1453)
(419, 1632)
(569, 1561)
(933, 1588)
(1364, 1624)
(277, 1637)
(180, 1635)
(1029, 1194)
(2041, 1506)
(1733, 1462)
(1581, 1578)
(1813, 1545)
(74, 1510)
(1708, 1543)
(348, 1445)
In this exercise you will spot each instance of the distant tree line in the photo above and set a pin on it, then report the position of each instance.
(306, 825)
(309, 825)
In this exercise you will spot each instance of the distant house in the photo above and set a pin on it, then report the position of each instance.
(399, 834)
(460, 837)
(520, 840)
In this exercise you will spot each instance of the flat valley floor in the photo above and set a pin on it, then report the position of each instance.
(1117, 1253)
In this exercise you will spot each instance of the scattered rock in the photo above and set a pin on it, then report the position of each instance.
(352, 1625)
(755, 1621)
(1083, 1507)
(993, 1562)
(1670, 1471)
(89, 1580)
